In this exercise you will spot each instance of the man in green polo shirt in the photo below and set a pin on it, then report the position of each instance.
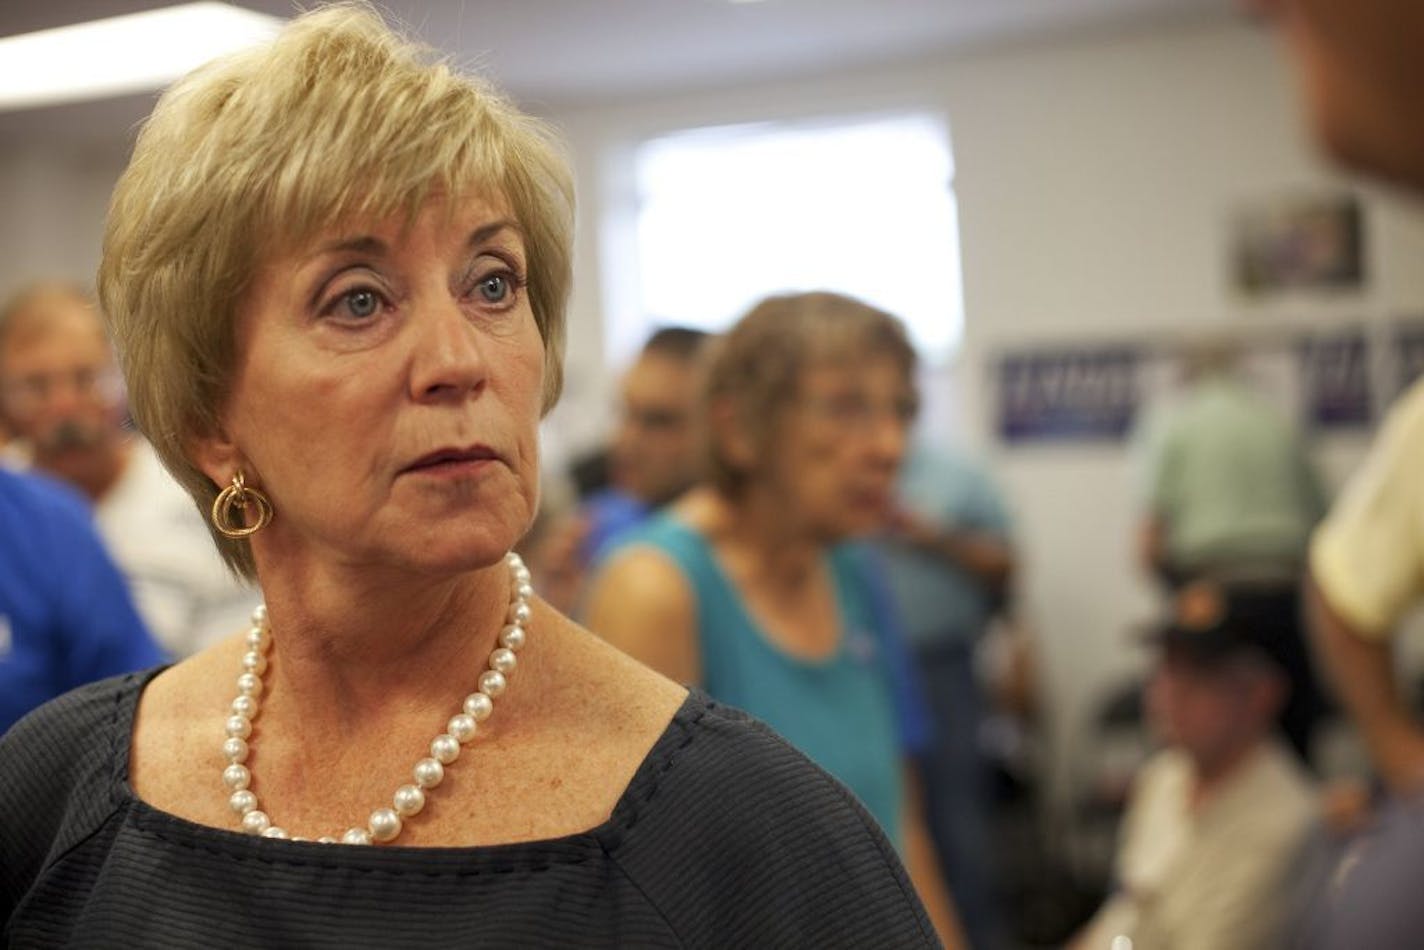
(1231, 497)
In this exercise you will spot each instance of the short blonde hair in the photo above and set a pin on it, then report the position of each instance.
(255, 155)
(755, 369)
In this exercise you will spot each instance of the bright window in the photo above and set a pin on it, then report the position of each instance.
(725, 216)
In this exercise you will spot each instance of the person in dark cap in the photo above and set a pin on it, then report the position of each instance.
(1217, 817)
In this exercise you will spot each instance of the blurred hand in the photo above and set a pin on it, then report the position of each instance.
(913, 529)
(1346, 807)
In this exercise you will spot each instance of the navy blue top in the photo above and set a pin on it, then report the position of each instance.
(65, 614)
(725, 838)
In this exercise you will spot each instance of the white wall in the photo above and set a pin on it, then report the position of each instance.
(54, 204)
(1096, 180)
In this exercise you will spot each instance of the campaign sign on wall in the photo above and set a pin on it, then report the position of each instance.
(1335, 378)
(1409, 351)
(1073, 395)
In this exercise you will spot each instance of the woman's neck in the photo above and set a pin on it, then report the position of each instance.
(368, 645)
(757, 531)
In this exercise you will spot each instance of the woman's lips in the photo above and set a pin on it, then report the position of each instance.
(453, 462)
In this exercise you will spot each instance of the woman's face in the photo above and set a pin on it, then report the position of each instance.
(837, 448)
(387, 393)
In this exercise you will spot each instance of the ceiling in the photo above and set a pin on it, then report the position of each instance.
(556, 54)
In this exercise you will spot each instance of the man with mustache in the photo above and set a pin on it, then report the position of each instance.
(61, 395)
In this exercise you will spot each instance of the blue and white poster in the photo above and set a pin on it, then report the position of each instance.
(1409, 352)
(1077, 395)
(1335, 378)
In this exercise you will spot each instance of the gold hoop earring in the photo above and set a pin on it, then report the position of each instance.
(237, 496)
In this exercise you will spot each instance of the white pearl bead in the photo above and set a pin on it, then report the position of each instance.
(242, 801)
(520, 614)
(236, 777)
(238, 726)
(409, 800)
(385, 824)
(512, 637)
(356, 836)
(255, 822)
(275, 832)
(300, 838)
(503, 660)
(479, 706)
(524, 590)
(462, 727)
(445, 748)
(492, 683)
(259, 615)
(249, 685)
(326, 839)
(255, 639)
(254, 662)
(513, 559)
(235, 750)
(245, 706)
(428, 773)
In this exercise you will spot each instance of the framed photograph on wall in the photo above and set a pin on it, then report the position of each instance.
(1300, 243)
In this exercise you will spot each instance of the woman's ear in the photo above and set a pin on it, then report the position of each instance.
(215, 455)
(729, 435)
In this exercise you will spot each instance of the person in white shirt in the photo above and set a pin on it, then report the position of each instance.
(1217, 818)
(61, 395)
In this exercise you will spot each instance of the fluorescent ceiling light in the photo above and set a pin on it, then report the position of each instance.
(123, 54)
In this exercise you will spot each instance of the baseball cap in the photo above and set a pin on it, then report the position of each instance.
(1209, 622)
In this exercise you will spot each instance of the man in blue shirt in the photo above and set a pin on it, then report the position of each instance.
(65, 614)
(948, 560)
(655, 453)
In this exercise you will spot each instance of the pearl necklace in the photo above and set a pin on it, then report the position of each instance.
(385, 823)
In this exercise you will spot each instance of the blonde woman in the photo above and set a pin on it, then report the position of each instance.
(336, 275)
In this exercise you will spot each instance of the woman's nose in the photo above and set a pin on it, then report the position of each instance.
(449, 361)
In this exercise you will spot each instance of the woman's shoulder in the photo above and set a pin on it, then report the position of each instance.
(729, 824)
(717, 757)
(60, 772)
(68, 736)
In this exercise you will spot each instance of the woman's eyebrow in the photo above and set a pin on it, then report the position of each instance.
(365, 244)
(369, 244)
(482, 234)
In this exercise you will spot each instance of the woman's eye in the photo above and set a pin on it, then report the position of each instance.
(494, 288)
(361, 303)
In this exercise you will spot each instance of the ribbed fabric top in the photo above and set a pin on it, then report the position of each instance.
(726, 837)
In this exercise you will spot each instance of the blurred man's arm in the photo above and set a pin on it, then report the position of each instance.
(1366, 564)
(1362, 671)
(985, 554)
(922, 864)
(1152, 545)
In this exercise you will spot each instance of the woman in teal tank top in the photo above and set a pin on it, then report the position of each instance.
(745, 588)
